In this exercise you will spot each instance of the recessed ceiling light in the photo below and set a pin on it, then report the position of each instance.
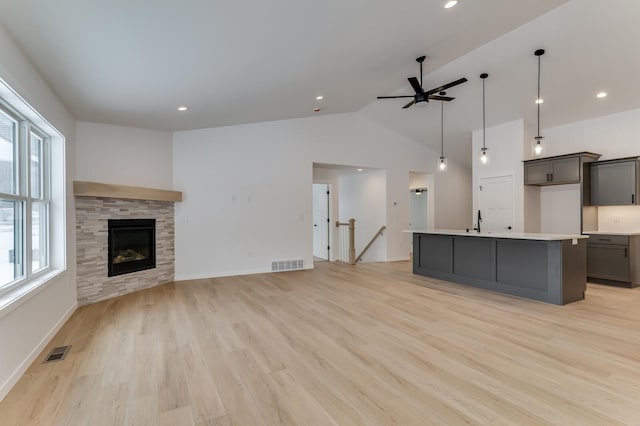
(319, 98)
(183, 108)
(539, 101)
(450, 4)
(359, 170)
(602, 95)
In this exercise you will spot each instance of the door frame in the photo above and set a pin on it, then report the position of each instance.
(328, 214)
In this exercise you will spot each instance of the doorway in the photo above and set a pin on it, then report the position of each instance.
(495, 201)
(419, 206)
(321, 222)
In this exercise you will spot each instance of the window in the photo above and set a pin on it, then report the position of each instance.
(24, 199)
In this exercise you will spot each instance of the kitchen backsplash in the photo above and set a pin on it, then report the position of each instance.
(619, 218)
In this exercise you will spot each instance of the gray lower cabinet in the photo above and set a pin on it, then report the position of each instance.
(474, 258)
(434, 253)
(615, 182)
(549, 271)
(614, 259)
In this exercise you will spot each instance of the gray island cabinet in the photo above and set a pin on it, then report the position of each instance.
(547, 267)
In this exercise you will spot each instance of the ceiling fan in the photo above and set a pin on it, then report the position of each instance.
(422, 95)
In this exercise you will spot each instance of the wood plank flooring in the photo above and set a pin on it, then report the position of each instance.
(370, 344)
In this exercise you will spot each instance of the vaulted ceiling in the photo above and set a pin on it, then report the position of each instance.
(232, 62)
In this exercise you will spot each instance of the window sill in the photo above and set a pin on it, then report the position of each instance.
(22, 293)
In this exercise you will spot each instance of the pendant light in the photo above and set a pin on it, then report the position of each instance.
(443, 160)
(483, 157)
(538, 147)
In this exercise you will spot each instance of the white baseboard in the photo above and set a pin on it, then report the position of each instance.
(17, 374)
(398, 259)
(189, 277)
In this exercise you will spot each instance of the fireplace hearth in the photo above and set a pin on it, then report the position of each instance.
(132, 245)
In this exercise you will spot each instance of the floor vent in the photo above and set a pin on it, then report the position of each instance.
(287, 265)
(57, 354)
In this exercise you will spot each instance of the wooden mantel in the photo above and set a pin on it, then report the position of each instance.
(94, 189)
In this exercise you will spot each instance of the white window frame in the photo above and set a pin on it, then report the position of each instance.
(22, 158)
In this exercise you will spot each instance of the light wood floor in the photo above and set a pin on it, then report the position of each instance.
(339, 345)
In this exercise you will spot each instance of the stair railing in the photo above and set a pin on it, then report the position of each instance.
(380, 231)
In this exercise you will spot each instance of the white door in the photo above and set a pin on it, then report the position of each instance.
(495, 201)
(321, 221)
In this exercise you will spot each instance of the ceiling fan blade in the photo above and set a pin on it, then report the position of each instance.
(446, 86)
(441, 98)
(415, 84)
(409, 104)
(393, 97)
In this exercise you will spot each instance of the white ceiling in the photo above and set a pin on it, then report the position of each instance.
(133, 62)
(590, 46)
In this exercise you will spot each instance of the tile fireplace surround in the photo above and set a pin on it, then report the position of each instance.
(92, 214)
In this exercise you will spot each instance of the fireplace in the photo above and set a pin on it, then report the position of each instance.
(132, 245)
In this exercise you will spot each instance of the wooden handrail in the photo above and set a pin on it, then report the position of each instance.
(382, 228)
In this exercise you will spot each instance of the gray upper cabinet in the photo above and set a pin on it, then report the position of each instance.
(537, 173)
(556, 170)
(615, 182)
(566, 170)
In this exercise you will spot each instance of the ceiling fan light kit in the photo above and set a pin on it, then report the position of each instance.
(484, 159)
(538, 146)
(425, 96)
(422, 96)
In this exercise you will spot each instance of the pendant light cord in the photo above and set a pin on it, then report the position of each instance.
(484, 138)
(538, 100)
(441, 129)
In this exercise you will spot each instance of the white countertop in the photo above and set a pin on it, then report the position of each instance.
(510, 235)
(611, 233)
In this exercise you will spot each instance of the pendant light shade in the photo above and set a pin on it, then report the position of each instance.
(484, 158)
(442, 166)
(537, 150)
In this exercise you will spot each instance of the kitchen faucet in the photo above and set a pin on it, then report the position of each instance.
(477, 228)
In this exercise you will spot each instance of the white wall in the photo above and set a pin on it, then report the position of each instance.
(506, 151)
(124, 155)
(612, 136)
(560, 207)
(451, 195)
(557, 209)
(363, 196)
(619, 218)
(26, 327)
(247, 189)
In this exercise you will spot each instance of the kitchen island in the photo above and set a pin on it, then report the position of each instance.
(547, 267)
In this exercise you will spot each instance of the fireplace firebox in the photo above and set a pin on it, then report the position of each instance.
(132, 245)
